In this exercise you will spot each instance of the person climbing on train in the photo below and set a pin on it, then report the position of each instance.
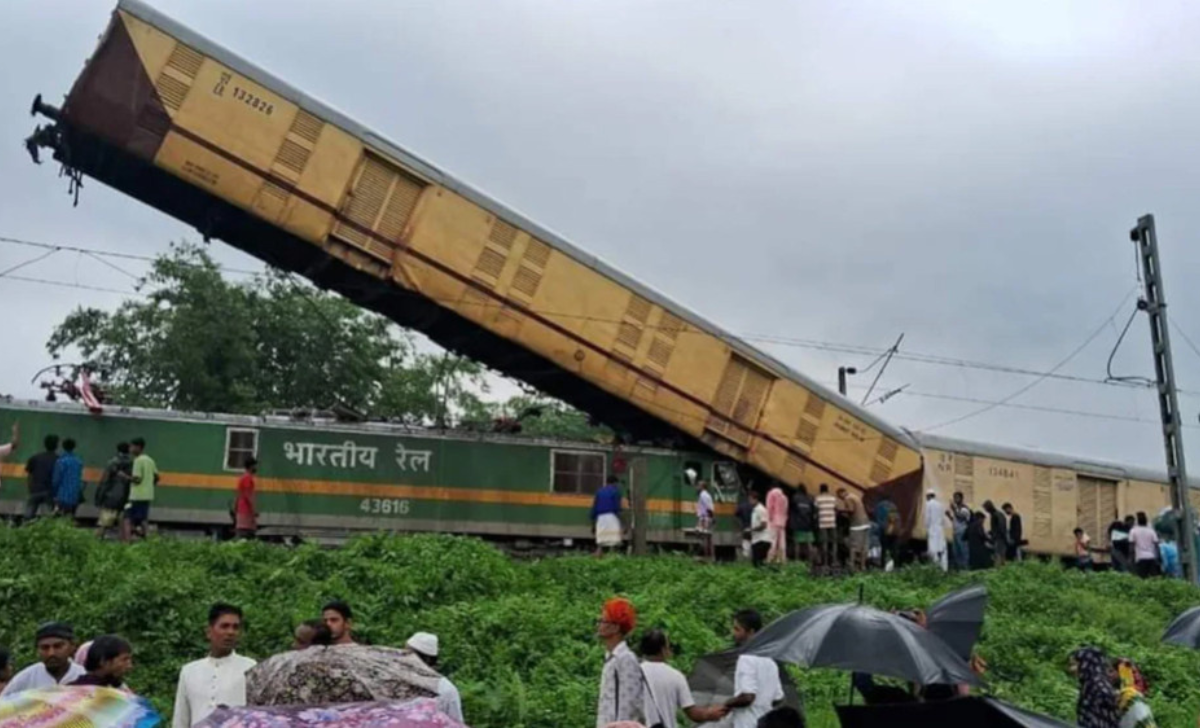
(67, 480)
(112, 493)
(777, 524)
(606, 516)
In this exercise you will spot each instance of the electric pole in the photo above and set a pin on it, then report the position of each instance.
(1154, 303)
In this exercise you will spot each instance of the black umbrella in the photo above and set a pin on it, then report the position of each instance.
(974, 712)
(712, 679)
(861, 639)
(958, 618)
(1184, 630)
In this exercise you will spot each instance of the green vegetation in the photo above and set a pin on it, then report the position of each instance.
(517, 635)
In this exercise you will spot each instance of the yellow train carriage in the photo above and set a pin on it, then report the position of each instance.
(175, 120)
(1053, 493)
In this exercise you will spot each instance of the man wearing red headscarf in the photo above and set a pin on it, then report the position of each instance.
(621, 681)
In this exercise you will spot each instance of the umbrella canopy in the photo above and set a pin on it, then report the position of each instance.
(340, 674)
(1184, 630)
(422, 713)
(958, 618)
(712, 679)
(74, 707)
(862, 639)
(975, 712)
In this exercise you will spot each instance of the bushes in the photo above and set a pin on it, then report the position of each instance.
(517, 636)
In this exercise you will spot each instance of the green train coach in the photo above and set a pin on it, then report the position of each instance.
(325, 480)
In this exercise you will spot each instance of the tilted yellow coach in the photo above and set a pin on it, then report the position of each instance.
(182, 124)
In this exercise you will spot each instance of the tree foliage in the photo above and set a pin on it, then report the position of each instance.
(198, 341)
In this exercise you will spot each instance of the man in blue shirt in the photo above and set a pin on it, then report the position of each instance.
(606, 515)
(68, 480)
(1169, 554)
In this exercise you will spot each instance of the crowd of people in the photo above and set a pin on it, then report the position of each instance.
(1135, 546)
(124, 493)
(216, 680)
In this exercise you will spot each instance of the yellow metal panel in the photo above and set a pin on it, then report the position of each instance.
(153, 46)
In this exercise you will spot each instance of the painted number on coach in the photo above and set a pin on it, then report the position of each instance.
(384, 506)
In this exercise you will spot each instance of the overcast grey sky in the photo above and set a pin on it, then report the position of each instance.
(965, 173)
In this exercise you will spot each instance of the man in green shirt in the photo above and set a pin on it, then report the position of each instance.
(141, 490)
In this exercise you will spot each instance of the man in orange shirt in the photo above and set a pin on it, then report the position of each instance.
(245, 517)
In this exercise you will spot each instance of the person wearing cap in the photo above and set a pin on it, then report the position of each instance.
(55, 645)
(935, 533)
(425, 646)
(622, 696)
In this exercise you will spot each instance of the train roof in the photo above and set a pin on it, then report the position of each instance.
(318, 424)
(1087, 466)
(147, 13)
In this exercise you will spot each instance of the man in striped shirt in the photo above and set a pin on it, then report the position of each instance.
(826, 526)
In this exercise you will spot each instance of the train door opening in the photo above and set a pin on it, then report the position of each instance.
(1096, 508)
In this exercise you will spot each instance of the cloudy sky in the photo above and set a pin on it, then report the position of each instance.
(804, 173)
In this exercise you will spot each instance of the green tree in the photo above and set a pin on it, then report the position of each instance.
(198, 341)
(541, 416)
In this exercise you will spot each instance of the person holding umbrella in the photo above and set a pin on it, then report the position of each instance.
(756, 686)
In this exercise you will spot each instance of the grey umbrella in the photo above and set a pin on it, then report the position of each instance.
(862, 639)
(1184, 630)
(958, 618)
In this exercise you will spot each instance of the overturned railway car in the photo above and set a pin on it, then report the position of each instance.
(178, 122)
(327, 481)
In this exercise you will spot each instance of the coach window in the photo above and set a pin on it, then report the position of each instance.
(577, 472)
(239, 445)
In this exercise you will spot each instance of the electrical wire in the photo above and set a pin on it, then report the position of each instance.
(27, 263)
(1022, 390)
(1112, 355)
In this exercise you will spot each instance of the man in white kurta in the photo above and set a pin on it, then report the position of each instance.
(935, 534)
(425, 646)
(220, 678)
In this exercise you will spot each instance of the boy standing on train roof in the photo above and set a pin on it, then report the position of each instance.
(606, 516)
(141, 493)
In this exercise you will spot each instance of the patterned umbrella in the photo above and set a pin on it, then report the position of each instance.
(76, 707)
(340, 674)
(421, 713)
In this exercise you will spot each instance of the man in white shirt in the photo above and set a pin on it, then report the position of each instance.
(1144, 542)
(425, 646)
(220, 678)
(8, 448)
(760, 534)
(667, 690)
(756, 685)
(56, 646)
(935, 535)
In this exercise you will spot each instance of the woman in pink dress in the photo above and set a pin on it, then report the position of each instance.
(777, 518)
